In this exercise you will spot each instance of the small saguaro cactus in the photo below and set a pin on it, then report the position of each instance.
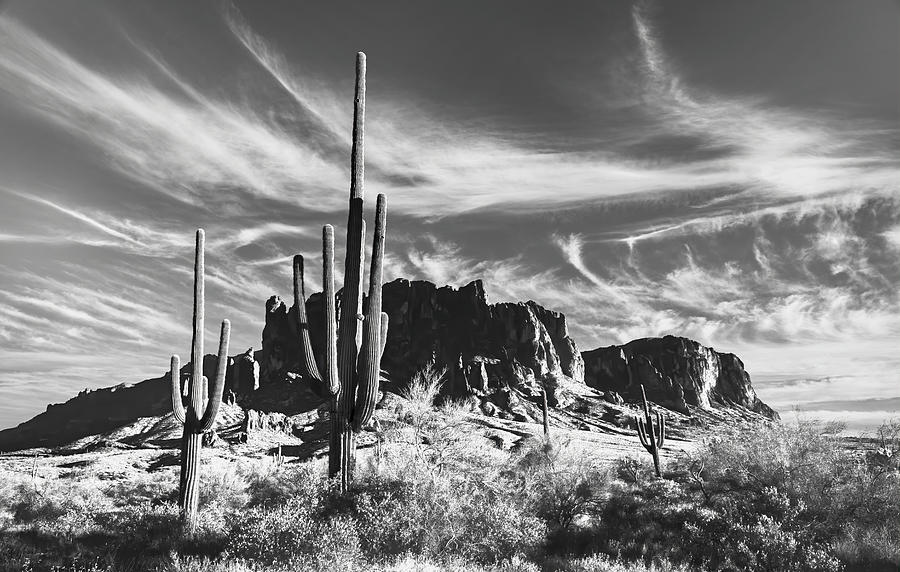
(200, 414)
(651, 438)
(352, 354)
(545, 411)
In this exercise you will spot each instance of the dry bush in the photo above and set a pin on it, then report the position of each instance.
(780, 497)
(603, 563)
(430, 439)
(560, 482)
(840, 490)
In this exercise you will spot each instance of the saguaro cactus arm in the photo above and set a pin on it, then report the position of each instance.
(215, 398)
(369, 360)
(661, 423)
(307, 358)
(175, 375)
(308, 366)
(383, 335)
(331, 380)
(642, 434)
(646, 405)
(196, 395)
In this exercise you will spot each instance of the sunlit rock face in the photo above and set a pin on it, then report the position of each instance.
(675, 372)
(484, 347)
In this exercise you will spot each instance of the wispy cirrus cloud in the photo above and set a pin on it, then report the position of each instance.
(188, 148)
(767, 149)
(194, 146)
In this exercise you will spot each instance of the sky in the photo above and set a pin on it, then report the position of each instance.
(722, 170)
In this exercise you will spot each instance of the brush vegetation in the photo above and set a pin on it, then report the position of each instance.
(781, 497)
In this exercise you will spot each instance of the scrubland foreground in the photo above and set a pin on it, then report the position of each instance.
(428, 497)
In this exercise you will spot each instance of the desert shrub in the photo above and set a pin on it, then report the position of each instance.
(870, 539)
(293, 533)
(633, 470)
(418, 563)
(885, 451)
(780, 497)
(64, 506)
(433, 436)
(662, 519)
(429, 440)
(423, 389)
(604, 563)
(560, 484)
(299, 483)
(144, 490)
(225, 487)
(457, 517)
(846, 497)
(804, 462)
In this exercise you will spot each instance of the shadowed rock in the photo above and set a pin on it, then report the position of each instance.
(484, 347)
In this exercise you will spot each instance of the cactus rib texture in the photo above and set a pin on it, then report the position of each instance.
(200, 414)
(352, 355)
(652, 438)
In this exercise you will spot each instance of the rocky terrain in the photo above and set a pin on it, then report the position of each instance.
(499, 357)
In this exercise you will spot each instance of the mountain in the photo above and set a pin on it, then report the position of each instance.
(503, 355)
(675, 372)
(485, 348)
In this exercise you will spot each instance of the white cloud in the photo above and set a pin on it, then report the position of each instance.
(186, 148)
(774, 150)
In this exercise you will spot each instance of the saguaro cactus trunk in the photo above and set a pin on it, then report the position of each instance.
(650, 439)
(200, 414)
(352, 351)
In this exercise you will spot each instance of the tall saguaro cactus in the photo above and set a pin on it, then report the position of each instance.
(353, 352)
(200, 414)
(651, 438)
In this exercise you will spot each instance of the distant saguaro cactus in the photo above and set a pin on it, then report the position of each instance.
(545, 411)
(352, 355)
(651, 439)
(200, 414)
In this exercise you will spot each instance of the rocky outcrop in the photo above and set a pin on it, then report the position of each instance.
(676, 372)
(484, 347)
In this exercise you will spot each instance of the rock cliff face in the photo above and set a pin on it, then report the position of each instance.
(484, 347)
(676, 372)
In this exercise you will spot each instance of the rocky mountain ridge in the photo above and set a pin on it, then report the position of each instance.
(502, 355)
(484, 348)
